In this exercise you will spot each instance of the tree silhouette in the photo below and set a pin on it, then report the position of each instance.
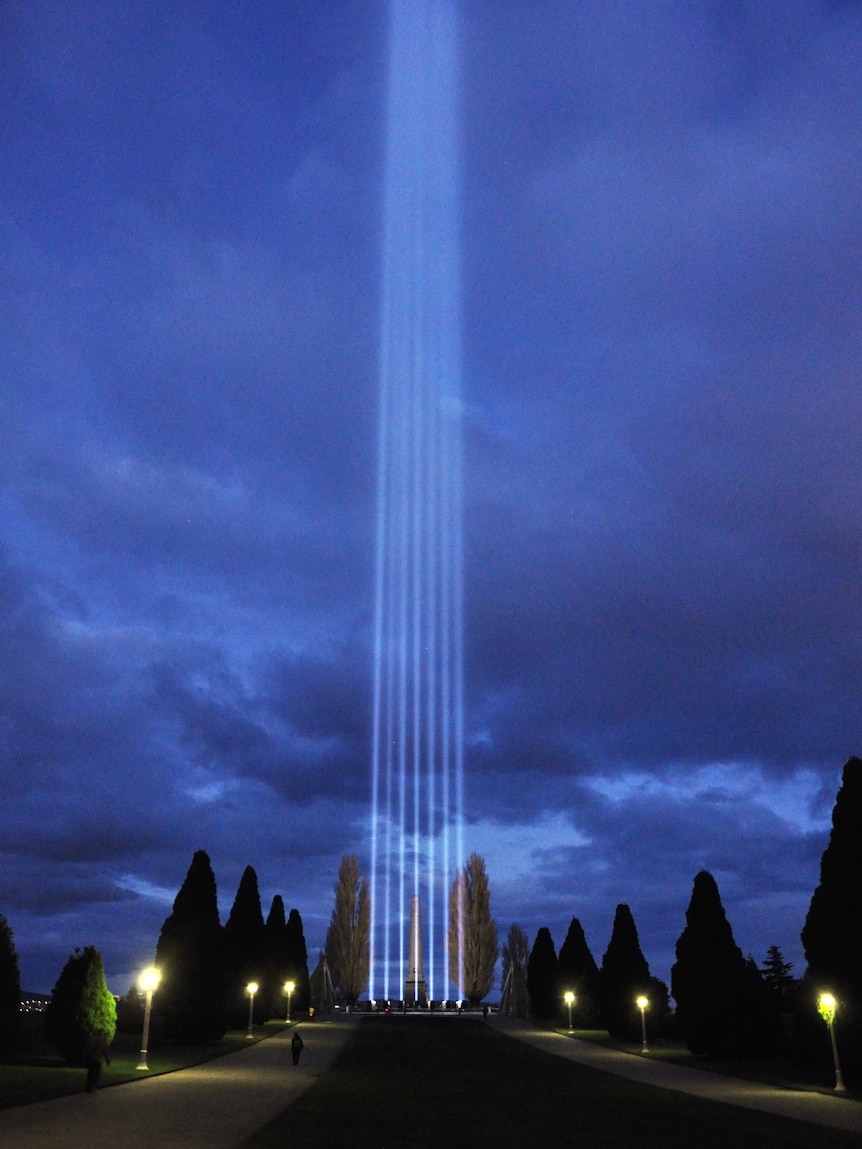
(542, 976)
(723, 1007)
(348, 937)
(625, 976)
(272, 997)
(516, 954)
(830, 936)
(245, 948)
(473, 948)
(297, 960)
(191, 957)
(10, 991)
(577, 971)
(778, 978)
(81, 1006)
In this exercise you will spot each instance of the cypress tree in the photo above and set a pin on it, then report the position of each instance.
(245, 947)
(10, 991)
(723, 1006)
(81, 1006)
(542, 976)
(624, 976)
(830, 936)
(191, 957)
(577, 971)
(275, 975)
(297, 961)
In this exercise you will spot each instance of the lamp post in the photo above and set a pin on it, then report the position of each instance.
(147, 982)
(827, 1006)
(642, 1003)
(251, 990)
(569, 999)
(289, 987)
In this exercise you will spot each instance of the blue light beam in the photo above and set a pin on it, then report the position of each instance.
(418, 726)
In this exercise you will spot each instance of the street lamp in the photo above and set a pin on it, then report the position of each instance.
(827, 1006)
(147, 982)
(251, 990)
(569, 999)
(289, 987)
(642, 1003)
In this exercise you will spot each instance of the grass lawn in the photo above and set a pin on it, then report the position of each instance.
(778, 1070)
(432, 1082)
(42, 1075)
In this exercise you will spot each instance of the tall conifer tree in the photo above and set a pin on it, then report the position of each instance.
(624, 976)
(830, 937)
(245, 947)
(81, 1006)
(275, 974)
(542, 977)
(723, 1007)
(577, 971)
(297, 960)
(10, 991)
(191, 957)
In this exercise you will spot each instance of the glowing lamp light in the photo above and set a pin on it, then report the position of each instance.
(149, 979)
(827, 1007)
(148, 982)
(251, 989)
(643, 1005)
(289, 987)
(569, 999)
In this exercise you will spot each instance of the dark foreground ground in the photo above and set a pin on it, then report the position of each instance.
(432, 1082)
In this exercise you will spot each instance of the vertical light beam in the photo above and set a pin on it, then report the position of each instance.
(417, 758)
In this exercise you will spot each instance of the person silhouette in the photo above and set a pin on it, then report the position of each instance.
(296, 1047)
(95, 1052)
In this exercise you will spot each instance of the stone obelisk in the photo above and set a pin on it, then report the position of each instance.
(415, 988)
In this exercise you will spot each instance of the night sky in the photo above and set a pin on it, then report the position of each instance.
(662, 260)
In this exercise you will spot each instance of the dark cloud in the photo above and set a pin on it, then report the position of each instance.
(661, 239)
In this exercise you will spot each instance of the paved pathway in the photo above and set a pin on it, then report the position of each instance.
(219, 1104)
(211, 1106)
(819, 1108)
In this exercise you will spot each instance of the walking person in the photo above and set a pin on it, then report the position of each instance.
(296, 1048)
(95, 1052)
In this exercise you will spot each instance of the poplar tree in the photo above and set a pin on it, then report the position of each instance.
(516, 954)
(191, 958)
(625, 976)
(472, 941)
(542, 977)
(723, 1007)
(577, 971)
(830, 936)
(10, 991)
(81, 1006)
(348, 937)
(245, 943)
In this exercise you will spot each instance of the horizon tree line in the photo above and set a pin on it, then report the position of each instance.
(726, 1005)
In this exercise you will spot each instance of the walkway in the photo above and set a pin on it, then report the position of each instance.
(215, 1105)
(826, 1109)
